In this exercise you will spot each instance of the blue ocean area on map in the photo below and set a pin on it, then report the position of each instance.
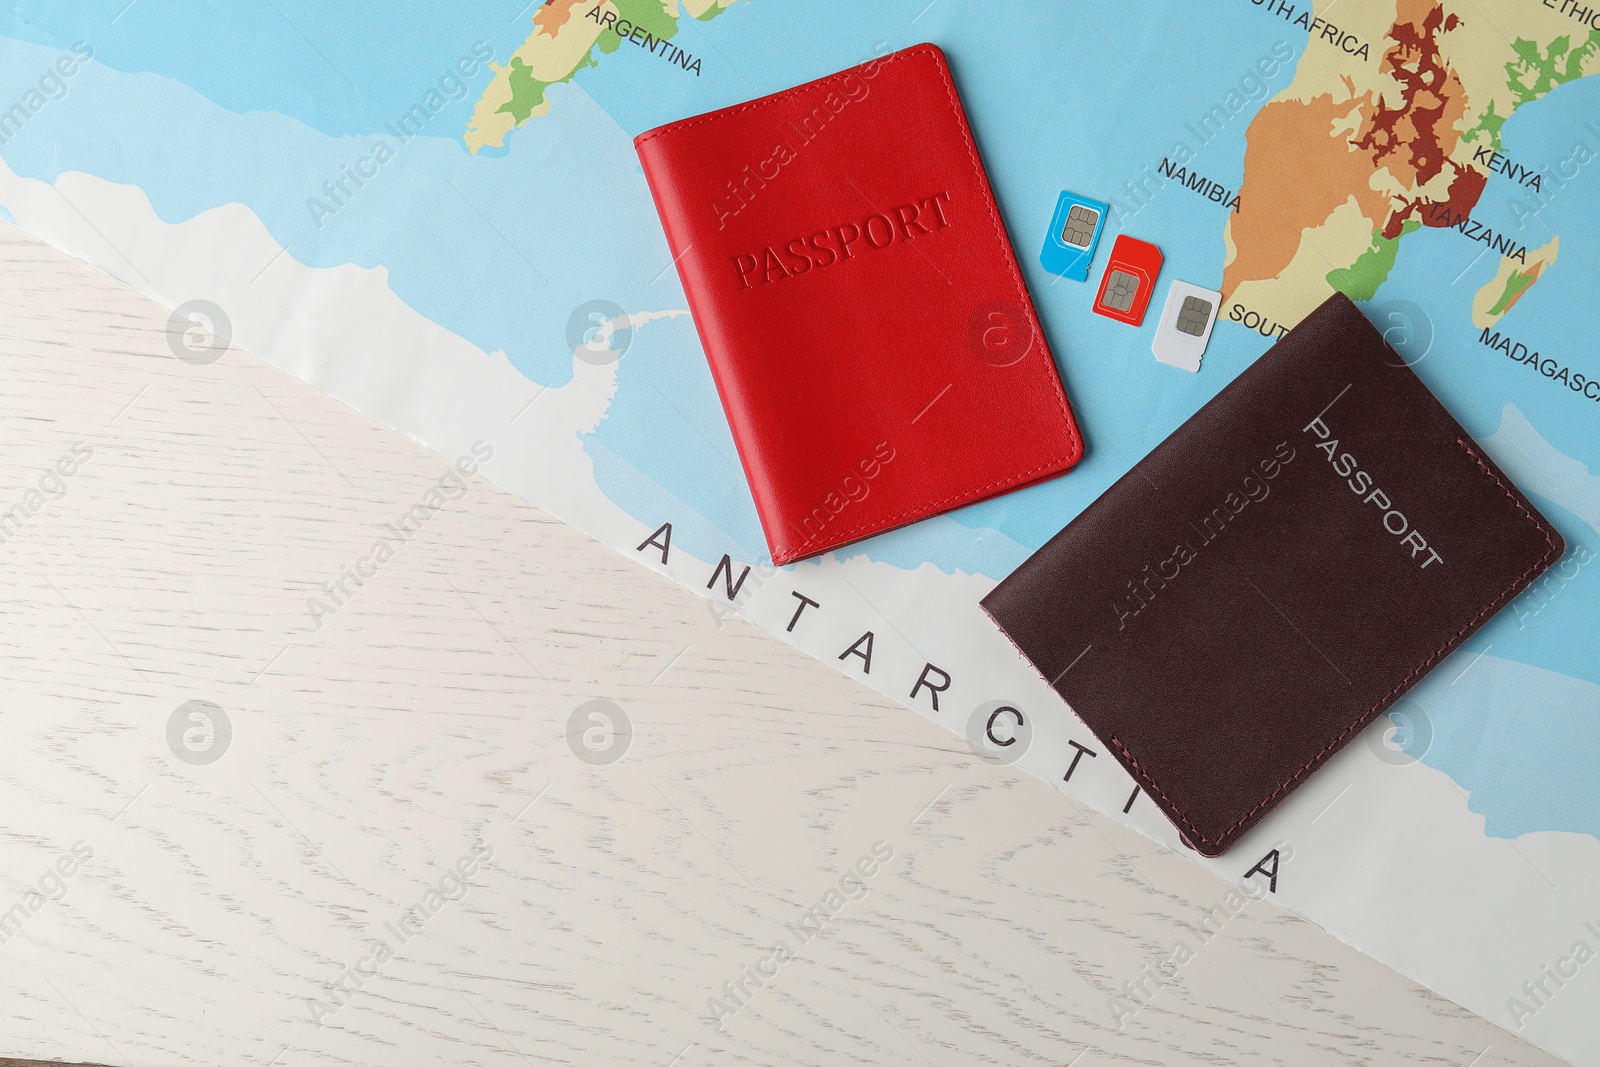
(341, 69)
(459, 236)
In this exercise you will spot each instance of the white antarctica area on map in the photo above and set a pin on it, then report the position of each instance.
(439, 219)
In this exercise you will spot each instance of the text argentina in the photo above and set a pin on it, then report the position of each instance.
(656, 46)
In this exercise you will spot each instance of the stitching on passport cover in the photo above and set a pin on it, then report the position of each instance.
(919, 509)
(1438, 653)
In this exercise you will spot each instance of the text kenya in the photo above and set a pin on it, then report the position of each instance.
(839, 243)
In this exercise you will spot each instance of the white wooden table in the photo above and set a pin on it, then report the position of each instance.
(200, 893)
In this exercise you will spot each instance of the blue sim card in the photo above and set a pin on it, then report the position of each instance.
(1074, 231)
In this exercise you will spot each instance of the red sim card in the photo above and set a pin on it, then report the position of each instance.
(1129, 280)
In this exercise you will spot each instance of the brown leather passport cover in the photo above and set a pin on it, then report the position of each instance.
(1274, 575)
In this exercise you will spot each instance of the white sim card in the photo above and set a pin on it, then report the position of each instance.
(1185, 326)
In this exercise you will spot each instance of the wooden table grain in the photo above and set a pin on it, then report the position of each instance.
(516, 800)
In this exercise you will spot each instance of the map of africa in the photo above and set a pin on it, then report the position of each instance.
(1388, 150)
(439, 218)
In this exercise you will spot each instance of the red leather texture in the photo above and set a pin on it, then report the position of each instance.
(871, 339)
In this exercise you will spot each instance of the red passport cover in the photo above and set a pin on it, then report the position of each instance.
(865, 321)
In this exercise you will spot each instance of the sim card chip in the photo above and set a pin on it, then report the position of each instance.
(1080, 228)
(1185, 327)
